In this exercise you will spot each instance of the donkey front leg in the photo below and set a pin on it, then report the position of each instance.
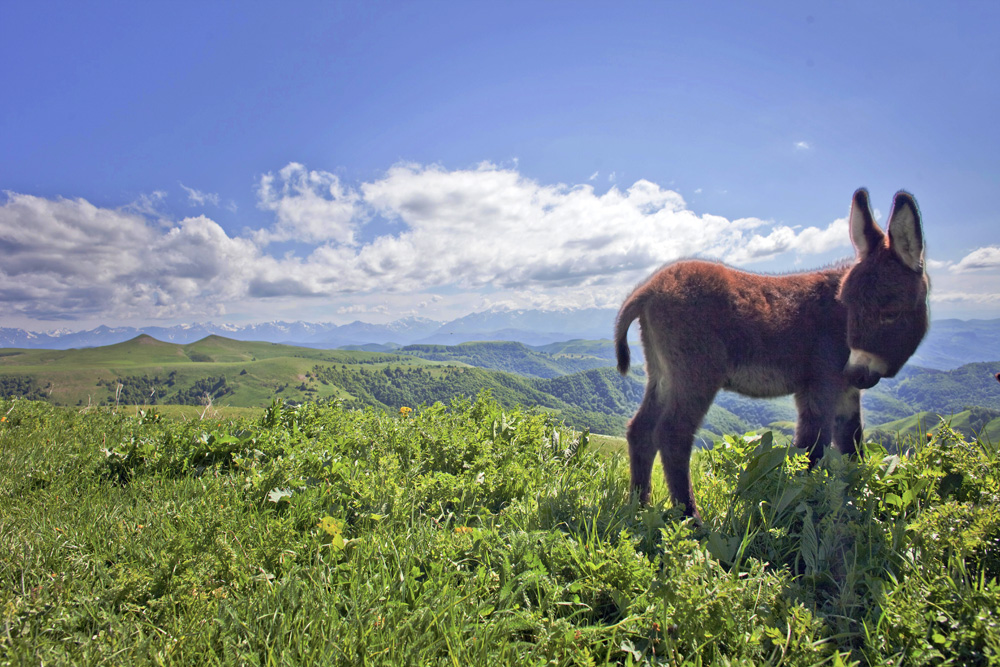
(848, 431)
(814, 430)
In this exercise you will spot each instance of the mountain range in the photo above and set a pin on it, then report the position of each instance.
(532, 327)
(949, 344)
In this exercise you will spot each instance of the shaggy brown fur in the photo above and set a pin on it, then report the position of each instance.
(822, 336)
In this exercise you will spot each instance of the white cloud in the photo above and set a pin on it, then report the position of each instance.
(357, 309)
(199, 198)
(480, 233)
(979, 259)
(802, 145)
(310, 206)
(972, 298)
(148, 204)
(493, 226)
(67, 259)
(936, 265)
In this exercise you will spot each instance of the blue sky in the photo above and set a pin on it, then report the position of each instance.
(181, 162)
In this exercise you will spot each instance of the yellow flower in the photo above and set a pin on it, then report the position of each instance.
(463, 529)
(405, 411)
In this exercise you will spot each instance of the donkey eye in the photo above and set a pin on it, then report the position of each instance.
(889, 318)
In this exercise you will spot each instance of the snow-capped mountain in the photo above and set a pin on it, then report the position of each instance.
(527, 326)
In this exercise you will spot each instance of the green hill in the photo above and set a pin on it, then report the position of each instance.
(977, 423)
(151, 372)
(512, 357)
(232, 373)
(947, 391)
(601, 349)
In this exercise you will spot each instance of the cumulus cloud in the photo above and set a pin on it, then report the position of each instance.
(310, 206)
(493, 226)
(979, 259)
(483, 231)
(783, 239)
(66, 259)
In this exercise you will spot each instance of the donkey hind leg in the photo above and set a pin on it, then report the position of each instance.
(675, 439)
(848, 431)
(814, 429)
(641, 447)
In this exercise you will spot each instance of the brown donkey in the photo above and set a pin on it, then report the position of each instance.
(823, 336)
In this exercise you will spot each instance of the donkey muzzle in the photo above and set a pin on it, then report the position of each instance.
(864, 369)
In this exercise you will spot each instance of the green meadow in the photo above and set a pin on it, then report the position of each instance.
(254, 371)
(217, 375)
(469, 533)
(575, 380)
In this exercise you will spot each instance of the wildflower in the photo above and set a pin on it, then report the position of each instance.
(405, 411)
(3, 419)
(463, 530)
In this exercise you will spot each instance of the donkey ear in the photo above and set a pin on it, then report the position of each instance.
(864, 232)
(906, 237)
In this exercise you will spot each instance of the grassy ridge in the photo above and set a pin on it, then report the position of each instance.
(475, 535)
(155, 372)
(514, 357)
(246, 374)
(981, 423)
(256, 372)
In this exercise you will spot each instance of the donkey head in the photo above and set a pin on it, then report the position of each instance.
(885, 292)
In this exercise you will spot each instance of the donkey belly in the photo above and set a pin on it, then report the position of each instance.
(759, 381)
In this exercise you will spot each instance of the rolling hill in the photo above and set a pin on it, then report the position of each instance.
(949, 343)
(254, 372)
(547, 361)
(575, 379)
(146, 371)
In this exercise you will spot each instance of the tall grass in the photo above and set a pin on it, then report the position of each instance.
(468, 534)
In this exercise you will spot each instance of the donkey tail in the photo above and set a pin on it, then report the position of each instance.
(629, 313)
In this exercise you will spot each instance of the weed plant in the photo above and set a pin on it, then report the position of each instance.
(469, 534)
